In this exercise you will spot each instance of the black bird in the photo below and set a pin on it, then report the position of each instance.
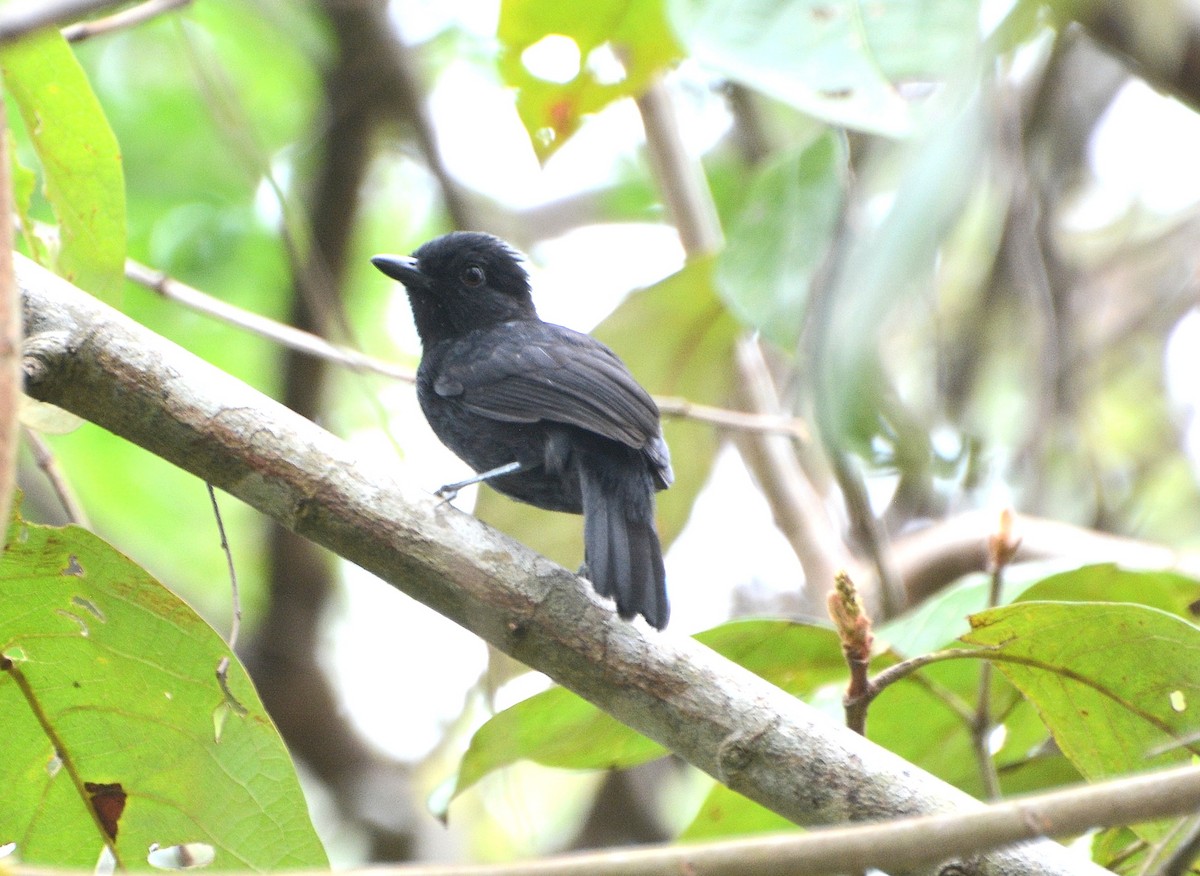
(544, 414)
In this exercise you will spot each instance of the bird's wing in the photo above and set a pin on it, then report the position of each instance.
(530, 371)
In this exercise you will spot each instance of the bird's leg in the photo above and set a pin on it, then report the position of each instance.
(448, 491)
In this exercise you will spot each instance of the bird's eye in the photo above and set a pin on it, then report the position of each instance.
(473, 276)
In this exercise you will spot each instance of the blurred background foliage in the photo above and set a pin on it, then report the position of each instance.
(957, 237)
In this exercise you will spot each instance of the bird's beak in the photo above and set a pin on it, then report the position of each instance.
(406, 269)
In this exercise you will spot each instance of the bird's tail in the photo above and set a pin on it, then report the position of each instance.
(622, 552)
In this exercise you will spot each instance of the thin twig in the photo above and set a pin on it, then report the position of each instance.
(286, 335)
(18, 21)
(1158, 849)
(981, 729)
(235, 624)
(794, 427)
(314, 345)
(848, 474)
(43, 457)
(1135, 848)
(898, 671)
(126, 18)
(1002, 548)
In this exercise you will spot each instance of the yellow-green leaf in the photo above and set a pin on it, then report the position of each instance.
(618, 47)
(81, 162)
(110, 698)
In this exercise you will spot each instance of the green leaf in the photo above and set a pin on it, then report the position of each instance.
(80, 159)
(112, 685)
(942, 619)
(937, 621)
(1114, 682)
(726, 813)
(1038, 770)
(558, 728)
(837, 60)
(797, 657)
(781, 236)
(632, 36)
(1106, 582)
(1121, 850)
(690, 356)
(24, 182)
(555, 728)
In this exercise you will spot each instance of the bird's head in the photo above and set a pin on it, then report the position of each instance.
(461, 282)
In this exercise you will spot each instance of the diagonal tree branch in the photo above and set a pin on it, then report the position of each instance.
(95, 362)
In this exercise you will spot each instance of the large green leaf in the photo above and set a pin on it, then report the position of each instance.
(1117, 684)
(781, 236)
(81, 161)
(633, 34)
(1114, 682)
(24, 183)
(677, 338)
(940, 620)
(1105, 582)
(558, 728)
(110, 694)
(839, 60)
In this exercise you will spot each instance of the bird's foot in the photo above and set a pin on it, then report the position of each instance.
(447, 493)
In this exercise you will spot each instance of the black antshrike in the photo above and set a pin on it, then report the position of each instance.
(543, 413)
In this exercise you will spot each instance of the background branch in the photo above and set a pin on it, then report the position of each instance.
(930, 558)
(795, 503)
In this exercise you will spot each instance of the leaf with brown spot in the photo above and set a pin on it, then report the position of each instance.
(117, 675)
(108, 800)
